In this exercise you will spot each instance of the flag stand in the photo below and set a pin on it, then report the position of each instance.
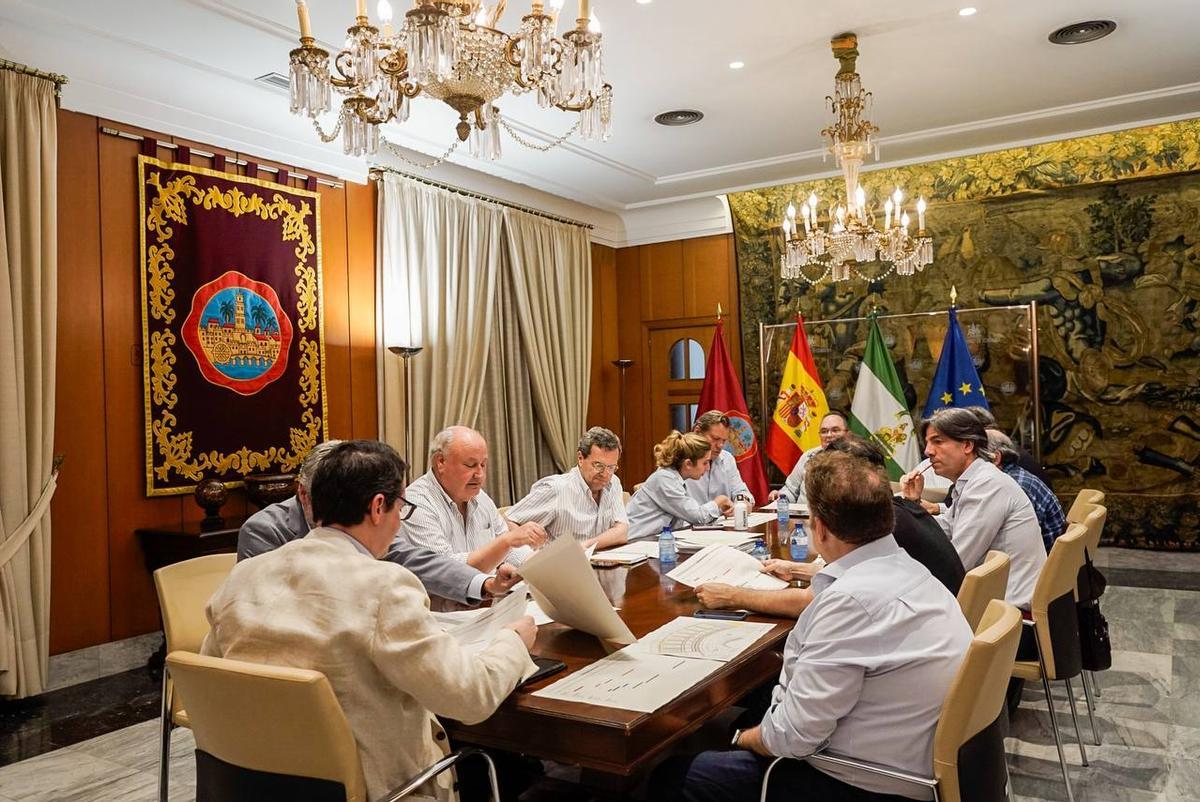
(764, 355)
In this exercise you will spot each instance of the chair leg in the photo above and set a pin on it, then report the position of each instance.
(1091, 707)
(1062, 758)
(1083, 679)
(1075, 719)
(1095, 683)
(165, 727)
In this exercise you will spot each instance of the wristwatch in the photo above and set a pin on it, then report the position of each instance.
(733, 744)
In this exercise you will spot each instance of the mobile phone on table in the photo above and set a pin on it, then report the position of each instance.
(545, 667)
(722, 615)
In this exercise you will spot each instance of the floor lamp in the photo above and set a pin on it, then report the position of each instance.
(407, 352)
(623, 365)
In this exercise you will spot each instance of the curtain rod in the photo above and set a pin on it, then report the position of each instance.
(375, 171)
(228, 160)
(23, 69)
(901, 314)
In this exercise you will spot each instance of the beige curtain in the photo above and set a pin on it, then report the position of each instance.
(439, 257)
(551, 268)
(28, 310)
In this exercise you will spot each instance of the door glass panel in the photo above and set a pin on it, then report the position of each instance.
(679, 359)
(695, 360)
(681, 416)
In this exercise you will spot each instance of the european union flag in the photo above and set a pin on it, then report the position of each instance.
(956, 382)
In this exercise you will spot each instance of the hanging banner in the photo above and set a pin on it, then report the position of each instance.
(232, 326)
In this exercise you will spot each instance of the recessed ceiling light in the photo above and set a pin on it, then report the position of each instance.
(1078, 33)
(966, 12)
(644, 2)
(679, 117)
(736, 65)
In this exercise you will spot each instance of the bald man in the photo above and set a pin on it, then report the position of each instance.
(455, 516)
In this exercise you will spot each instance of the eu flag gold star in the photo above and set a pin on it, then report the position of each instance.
(947, 398)
(965, 389)
(981, 391)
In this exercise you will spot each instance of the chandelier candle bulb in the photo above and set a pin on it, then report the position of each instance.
(887, 214)
(360, 9)
(921, 216)
(305, 26)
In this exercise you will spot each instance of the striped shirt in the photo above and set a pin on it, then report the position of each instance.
(564, 505)
(793, 487)
(438, 525)
(1046, 505)
(721, 479)
(663, 501)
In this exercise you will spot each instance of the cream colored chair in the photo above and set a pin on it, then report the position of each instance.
(1079, 507)
(504, 511)
(1093, 521)
(969, 762)
(627, 497)
(984, 582)
(638, 486)
(183, 592)
(1056, 628)
(273, 732)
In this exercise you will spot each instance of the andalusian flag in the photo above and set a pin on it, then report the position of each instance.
(798, 407)
(955, 382)
(879, 412)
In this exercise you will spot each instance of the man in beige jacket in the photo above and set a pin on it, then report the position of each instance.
(327, 602)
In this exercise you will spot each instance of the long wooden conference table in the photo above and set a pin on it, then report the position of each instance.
(617, 747)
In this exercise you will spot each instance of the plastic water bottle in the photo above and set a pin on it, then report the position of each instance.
(782, 507)
(759, 552)
(799, 543)
(667, 554)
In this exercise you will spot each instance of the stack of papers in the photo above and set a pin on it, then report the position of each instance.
(721, 563)
(629, 553)
(700, 538)
(794, 510)
(650, 673)
(474, 629)
(753, 519)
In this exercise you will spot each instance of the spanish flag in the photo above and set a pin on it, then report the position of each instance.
(799, 406)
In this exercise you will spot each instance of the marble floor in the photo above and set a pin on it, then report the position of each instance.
(1148, 718)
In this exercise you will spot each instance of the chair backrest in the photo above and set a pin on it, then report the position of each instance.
(984, 582)
(627, 497)
(503, 511)
(638, 486)
(968, 744)
(1079, 507)
(260, 718)
(183, 592)
(1055, 619)
(1094, 523)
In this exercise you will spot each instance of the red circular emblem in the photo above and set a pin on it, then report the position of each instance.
(238, 333)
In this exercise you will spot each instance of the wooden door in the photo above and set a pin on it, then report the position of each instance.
(675, 366)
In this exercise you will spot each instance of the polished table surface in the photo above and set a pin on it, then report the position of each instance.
(624, 743)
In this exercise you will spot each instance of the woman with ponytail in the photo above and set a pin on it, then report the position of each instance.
(663, 500)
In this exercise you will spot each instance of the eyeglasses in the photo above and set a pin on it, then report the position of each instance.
(838, 430)
(600, 467)
(407, 508)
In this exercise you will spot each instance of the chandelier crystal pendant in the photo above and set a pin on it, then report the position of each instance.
(850, 234)
(451, 50)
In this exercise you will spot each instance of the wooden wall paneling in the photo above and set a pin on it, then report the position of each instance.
(662, 280)
(706, 281)
(630, 336)
(134, 605)
(79, 606)
(337, 313)
(361, 213)
(604, 402)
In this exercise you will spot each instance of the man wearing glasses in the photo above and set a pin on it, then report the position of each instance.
(272, 526)
(586, 502)
(833, 427)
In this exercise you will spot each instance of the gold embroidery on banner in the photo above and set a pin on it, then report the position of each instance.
(160, 274)
(171, 204)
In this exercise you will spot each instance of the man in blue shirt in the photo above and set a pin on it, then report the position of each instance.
(1050, 515)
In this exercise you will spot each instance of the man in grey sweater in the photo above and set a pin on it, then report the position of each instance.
(272, 526)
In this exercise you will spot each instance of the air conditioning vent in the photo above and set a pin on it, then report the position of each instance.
(275, 80)
(679, 117)
(1079, 33)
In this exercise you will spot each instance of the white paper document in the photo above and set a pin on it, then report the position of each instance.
(699, 538)
(631, 680)
(565, 587)
(475, 629)
(637, 548)
(702, 638)
(721, 563)
(794, 510)
(753, 519)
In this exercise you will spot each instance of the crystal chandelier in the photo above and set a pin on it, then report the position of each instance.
(450, 50)
(850, 234)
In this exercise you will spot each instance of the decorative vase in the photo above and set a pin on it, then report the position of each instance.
(265, 489)
(210, 495)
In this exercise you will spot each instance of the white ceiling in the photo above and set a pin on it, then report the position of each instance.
(942, 83)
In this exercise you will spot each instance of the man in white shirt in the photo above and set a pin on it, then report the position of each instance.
(865, 670)
(723, 477)
(455, 516)
(586, 502)
(988, 510)
(833, 427)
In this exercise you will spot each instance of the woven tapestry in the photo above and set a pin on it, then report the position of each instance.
(1103, 232)
(232, 326)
